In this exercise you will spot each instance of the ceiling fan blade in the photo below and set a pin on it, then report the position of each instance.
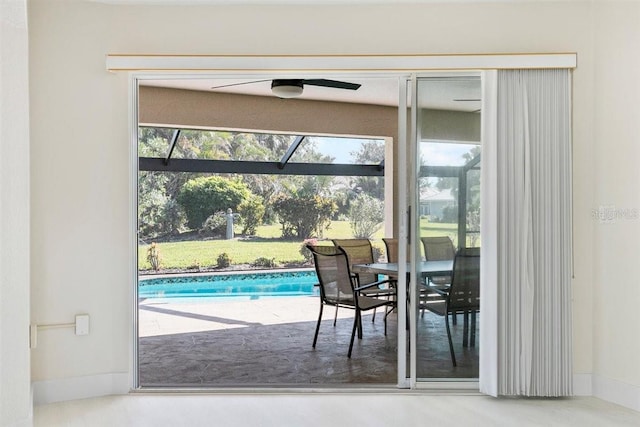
(239, 84)
(331, 83)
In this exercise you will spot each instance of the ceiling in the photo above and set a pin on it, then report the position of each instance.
(442, 93)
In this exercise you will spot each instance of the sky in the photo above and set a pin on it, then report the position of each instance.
(341, 148)
(433, 153)
(444, 154)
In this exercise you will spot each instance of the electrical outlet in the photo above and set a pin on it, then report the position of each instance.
(82, 324)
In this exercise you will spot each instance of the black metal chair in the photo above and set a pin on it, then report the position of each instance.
(463, 296)
(339, 288)
(360, 251)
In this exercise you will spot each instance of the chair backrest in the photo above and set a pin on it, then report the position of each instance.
(359, 251)
(392, 249)
(438, 248)
(464, 293)
(332, 269)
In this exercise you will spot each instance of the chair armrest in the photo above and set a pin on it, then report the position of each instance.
(371, 285)
(389, 281)
(443, 292)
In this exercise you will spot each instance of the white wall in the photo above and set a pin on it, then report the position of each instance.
(15, 389)
(79, 201)
(80, 148)
(617, 186)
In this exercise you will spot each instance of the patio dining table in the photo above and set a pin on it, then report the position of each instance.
(427, 268)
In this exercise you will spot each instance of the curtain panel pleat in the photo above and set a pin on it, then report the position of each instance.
(533, 208)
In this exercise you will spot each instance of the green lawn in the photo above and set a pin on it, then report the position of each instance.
(205, 253)
(267, 243)
(337, 229)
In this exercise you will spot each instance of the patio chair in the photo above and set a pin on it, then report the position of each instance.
(438, 248)
(338, 287)
(391, 245)
(462, 296)
(360, 251)
(425, 294)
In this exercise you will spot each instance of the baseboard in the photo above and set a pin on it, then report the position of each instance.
(51, 391)
(618, 392)
(583, 384)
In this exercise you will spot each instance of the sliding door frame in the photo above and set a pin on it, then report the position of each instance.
(155, 66)
(415, 255)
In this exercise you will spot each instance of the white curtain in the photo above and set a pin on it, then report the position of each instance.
(526, 282)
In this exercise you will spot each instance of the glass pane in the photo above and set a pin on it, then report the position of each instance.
(473, 208)
(448, 209)
(437, 153)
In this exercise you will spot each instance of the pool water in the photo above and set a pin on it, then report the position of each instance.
(221, 285)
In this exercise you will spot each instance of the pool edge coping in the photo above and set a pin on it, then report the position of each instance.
(227, 272)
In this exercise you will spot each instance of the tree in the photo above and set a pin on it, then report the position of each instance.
(473, 178)
(371, 152)
(151, 199)
(158, 211)
(202, 197)
(365, 216)
(473, 192)
(222, 145)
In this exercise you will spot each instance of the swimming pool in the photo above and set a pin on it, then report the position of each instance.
(220, 285)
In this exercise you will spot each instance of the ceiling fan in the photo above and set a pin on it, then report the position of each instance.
(291, 88)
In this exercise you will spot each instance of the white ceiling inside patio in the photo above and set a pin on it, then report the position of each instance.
(456, 94)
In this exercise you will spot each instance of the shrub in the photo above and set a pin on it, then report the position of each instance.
(377, 253)
(153, 256)
(223, 260)
(215, 225)
(201, 197)
(366, 216)
(449, 214)
(303, 216)
(473, 226)
(305, 252)
(174, 217)
(265, 262)
(251, 212)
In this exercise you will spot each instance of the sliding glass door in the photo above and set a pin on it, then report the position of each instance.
(444, 217)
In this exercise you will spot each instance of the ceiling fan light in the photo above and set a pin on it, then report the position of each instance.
(286, 88)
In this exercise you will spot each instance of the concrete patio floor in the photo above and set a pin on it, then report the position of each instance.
(267, 341)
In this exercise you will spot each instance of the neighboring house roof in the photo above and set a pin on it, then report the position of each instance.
(432, 194)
